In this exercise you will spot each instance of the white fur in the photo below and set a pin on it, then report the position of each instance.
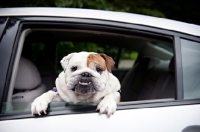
(106, 95)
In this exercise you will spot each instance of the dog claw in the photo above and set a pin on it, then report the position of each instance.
(39, 113)
(44, 111)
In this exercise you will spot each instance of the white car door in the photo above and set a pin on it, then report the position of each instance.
(181, 118)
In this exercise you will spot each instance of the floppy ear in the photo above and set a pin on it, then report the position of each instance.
(109, 61)
(65, 60)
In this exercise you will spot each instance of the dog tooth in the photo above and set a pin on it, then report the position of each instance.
(82, 83)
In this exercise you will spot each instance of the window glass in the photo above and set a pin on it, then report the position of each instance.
(191, 68)
(141, 65)
(25, 107)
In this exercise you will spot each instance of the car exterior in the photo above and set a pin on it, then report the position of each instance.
(157, 63)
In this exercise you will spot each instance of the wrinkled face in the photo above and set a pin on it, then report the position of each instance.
(86, 73)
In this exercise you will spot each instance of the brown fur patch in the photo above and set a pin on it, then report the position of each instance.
(96, 58)
(109, 61)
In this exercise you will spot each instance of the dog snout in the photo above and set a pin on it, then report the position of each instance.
(86, 74)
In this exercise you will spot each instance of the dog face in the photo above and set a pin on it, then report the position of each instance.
(86, 72)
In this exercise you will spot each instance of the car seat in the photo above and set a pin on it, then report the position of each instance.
(150, 78)
(28, 84)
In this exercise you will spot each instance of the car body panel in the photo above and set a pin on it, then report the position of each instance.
(161, 119)
(105, 15)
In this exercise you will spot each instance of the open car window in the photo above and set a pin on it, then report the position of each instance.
(144, 65)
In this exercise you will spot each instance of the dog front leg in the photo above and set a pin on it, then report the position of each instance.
(40, 104)
(108, 104)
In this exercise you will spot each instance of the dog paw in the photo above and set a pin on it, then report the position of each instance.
(39, 105)
(108, 106)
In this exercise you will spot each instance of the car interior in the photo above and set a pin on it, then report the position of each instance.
(144, 65)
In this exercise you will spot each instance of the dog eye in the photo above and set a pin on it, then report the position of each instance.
(74, 68)
(99, 69)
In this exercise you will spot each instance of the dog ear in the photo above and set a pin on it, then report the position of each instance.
(109, 61)
(65, 60)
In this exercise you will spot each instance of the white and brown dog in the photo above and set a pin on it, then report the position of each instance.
(86, 77)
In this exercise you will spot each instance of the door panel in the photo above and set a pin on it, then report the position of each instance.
(160, 119)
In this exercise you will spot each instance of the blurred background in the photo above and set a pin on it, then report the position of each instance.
(181, 10)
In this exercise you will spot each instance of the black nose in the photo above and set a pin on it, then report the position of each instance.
(86, 74)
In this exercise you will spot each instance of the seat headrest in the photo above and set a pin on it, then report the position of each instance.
(28, 76)
(171, 65)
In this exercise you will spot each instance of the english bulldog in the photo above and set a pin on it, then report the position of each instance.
(86, 77)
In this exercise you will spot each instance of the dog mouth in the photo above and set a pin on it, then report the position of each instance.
(84, 83)
(84, 87)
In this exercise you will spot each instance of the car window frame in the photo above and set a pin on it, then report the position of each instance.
(7, 43)
(178, 60)
(113, 25)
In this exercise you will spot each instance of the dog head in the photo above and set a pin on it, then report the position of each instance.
(86, 72)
